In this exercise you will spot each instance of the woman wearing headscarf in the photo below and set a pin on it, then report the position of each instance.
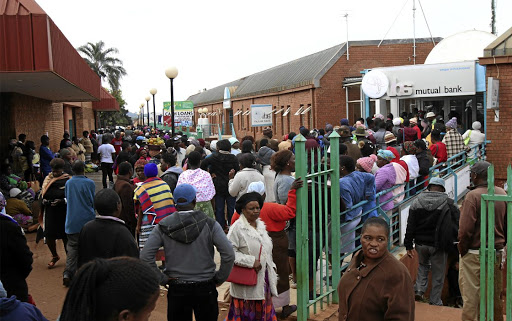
(139, 172)
(238, 184)
(376, 286)
(275, 216)
(54, 208)
(385, 178)
(473, 137)
(202, 181)
(253, 249)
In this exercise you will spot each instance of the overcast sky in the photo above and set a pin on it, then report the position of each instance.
(214, 42)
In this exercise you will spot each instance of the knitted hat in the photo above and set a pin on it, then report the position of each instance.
(150, 170)
(367, 163)
(476, 125)
(397, 121)
(389, 138)
(201, 141)
(452, 123)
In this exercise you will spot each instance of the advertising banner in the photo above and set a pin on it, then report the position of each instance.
(183, 113)
(261, 115)
(437, 80)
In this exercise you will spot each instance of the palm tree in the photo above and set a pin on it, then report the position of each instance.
(101, 62)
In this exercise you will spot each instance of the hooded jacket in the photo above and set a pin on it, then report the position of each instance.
(188, 238)
(12, 309)
(433, 221)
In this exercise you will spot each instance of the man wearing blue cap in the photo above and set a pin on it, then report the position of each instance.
(188, 237)
(432, 226)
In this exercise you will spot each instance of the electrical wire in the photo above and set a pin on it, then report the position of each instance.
(393, 23)
(426, 22)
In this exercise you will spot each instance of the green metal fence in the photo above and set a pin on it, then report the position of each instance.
(319, 219)
(487, 251)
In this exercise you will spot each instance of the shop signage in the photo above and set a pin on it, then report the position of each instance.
(183, 113)
(453, 79)
(261, 115)
(226, 104)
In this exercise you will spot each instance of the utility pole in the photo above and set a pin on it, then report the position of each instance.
(493, 17)
(414, 31)
(346, 19)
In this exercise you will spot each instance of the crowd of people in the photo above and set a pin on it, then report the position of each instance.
(176, 199)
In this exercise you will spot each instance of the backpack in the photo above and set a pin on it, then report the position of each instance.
(447, 227)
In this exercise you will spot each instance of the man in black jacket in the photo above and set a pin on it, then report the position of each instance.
(432, 225)
(107, 236)
(219, 165)
(15, 256)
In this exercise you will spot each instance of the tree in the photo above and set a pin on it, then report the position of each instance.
(116, 118)
(103, 63)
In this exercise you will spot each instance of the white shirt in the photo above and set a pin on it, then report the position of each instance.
(106, 151)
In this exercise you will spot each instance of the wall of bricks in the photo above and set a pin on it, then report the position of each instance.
(498, 132)
(328, 100)
(36, 117)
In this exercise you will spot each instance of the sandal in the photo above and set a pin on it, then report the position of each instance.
(52, 263)
(285, 314)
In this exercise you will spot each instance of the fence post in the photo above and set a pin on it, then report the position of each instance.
(301, 165)
(334, 139)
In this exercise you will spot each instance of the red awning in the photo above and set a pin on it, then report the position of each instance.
(37, 59)
(107, 102)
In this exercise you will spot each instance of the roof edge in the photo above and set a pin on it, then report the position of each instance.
(329, 64)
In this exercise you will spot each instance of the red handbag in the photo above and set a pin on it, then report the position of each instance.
(243, 275)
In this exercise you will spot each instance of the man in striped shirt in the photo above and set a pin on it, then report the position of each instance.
(155, 202)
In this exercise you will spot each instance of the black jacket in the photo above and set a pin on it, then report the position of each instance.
(15, 259)
(423, 162)
(105, 238)
(433, 220)
(220, 165)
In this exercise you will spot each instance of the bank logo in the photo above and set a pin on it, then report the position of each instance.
(375, 84)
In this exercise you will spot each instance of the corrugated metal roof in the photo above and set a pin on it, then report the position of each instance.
(297, 73)
(213, 95)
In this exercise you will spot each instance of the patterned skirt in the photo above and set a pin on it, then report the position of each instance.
(206, 208)
(253, 310)
(144, 235)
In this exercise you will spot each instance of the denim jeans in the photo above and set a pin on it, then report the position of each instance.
(220, 215)
(433, 259)
(71, 255)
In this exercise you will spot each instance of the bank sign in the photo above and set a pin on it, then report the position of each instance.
(438, 80)
(261, 115)
(183, 113)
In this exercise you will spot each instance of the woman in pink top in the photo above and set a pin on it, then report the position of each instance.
(202, 181)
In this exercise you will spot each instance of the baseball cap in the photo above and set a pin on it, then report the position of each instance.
(437, 181)
(14, 192)
(185, 192)
(480, 167)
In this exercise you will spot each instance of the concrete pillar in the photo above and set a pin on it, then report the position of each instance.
(394, 107)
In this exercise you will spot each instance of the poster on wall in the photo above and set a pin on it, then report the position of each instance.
(261, 115)
(183, 113)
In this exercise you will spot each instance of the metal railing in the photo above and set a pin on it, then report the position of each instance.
(487, 248)
(319, 219)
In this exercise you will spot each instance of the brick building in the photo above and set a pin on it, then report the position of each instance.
(307, 91)
(498, 62)
(45, 85)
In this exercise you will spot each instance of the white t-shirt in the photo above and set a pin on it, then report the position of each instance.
(106, 151)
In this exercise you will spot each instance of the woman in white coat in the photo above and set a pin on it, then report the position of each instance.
(248, 236)
(239, 182)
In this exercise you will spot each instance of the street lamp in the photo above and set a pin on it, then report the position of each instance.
(141, 112)
(147, 103)
(171, 73)
(152, 91)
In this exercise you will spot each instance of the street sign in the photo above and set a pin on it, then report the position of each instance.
(183, 113)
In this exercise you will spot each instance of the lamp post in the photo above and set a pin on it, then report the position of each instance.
(152, 91)
(141, 112)
(147, 103)
(171, 73)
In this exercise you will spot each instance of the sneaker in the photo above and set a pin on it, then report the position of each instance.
(418, 296)
(66, 281)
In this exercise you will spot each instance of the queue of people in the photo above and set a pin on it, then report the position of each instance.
(182, 197)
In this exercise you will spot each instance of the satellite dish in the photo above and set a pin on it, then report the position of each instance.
(375, 84)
